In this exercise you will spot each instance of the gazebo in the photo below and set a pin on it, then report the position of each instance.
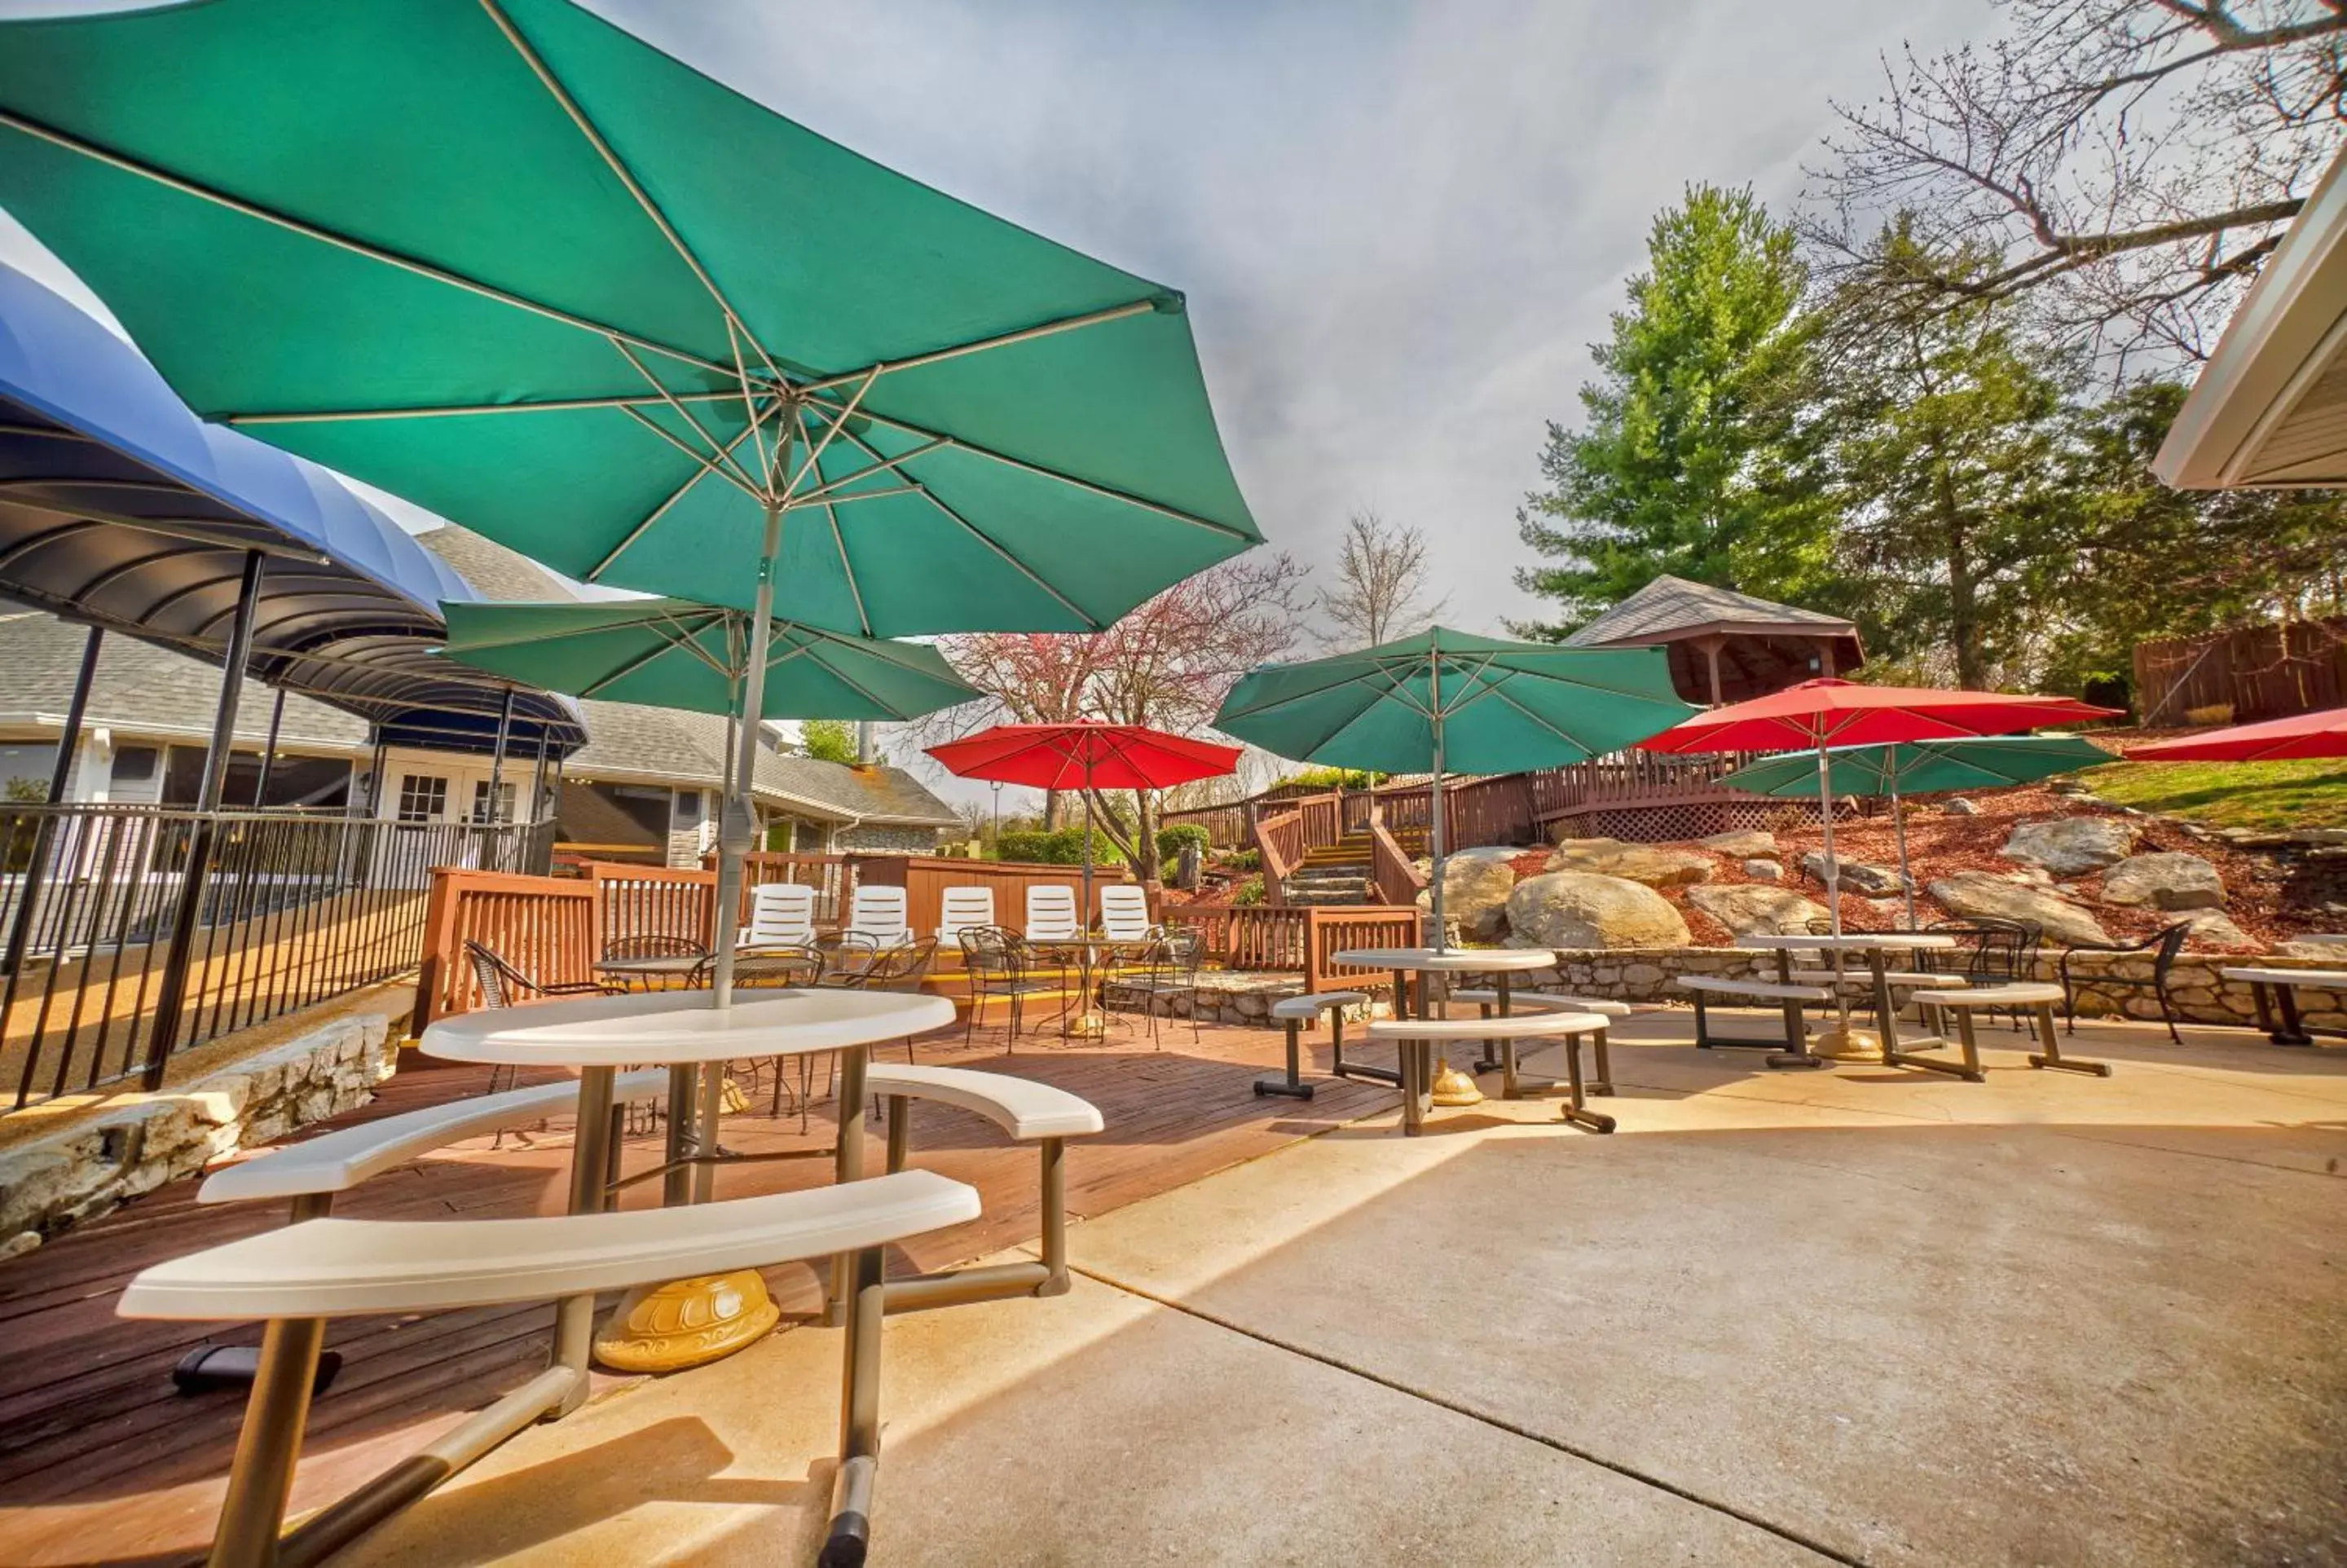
(1726, 646)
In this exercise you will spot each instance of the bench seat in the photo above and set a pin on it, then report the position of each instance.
(2018, 995)
(1416, 1038)
(1294, 1013)
(1547, 1001)
(1760, 990)
(1019, 1106)
(337, 1162)
(1313, 1004)
(1931, 979)
(333, 1267)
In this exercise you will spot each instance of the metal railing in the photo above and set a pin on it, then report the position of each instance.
(287, 909)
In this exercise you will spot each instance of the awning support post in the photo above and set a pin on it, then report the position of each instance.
(172, 1000)
(28, 893)
(269, 751)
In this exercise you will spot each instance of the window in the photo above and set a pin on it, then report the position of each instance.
(688, 808)
(505, 812)
(135, 765)
(422, 797)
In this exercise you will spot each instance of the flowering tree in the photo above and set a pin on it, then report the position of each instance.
(1168, 664)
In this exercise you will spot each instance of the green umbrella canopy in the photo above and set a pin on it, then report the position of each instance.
(668, 654)
(513, 264)
(1503, 706)
(1922, 767)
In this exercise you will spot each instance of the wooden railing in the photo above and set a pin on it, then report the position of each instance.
(1279, 843)
(927, 877)
(1303, 938)
(832, 878)
(1641, 778)
(1392, 870)
(549, 928)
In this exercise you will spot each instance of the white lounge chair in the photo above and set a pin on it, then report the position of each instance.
(1124, 913)
(876, 919)
(1052, 913)
(781, 915)
(962, 907)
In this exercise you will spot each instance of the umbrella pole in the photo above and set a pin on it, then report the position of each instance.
(1085, 911)
(1833, 867)
(1906, 878)
(734, 830)
(1434, 823)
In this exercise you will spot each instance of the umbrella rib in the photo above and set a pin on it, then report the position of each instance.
(979, 346)
(654, 516)
(462, 410)
(1160, 507)
(729, 473)
(626, 176)
(90, 150)
(1092, 622)
(847, 569)
(725, 453)
(838, 423)
(888, 465)
(605, 682)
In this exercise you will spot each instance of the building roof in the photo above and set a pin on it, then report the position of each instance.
(1671, 608)
(2269, 408)
(144, 690)
(118, 507)
(501, 575)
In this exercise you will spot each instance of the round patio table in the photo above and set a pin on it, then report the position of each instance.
(665, 973)
(1499, 963)
(1875, 947)
(1088, 950)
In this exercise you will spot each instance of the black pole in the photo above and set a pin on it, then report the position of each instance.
(374, 776)
(497, 756)
(28, 893)
(170, 1001)
(537, 778)
(269, 751)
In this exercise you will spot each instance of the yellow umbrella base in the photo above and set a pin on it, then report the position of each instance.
(1847, 1044)
(1452, 1087)
(686, 1322)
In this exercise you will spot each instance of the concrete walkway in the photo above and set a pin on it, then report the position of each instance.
(1863, 1315)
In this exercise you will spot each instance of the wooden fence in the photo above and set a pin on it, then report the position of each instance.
(1304, 936)
(2268, 672)
(549, 928)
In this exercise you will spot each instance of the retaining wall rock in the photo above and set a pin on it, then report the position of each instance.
(85, 1171)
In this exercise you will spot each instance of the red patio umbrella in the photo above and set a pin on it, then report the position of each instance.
(2301, 735)
(1085, 755)
(1817, 715)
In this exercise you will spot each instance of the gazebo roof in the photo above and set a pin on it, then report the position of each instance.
(1673, 610)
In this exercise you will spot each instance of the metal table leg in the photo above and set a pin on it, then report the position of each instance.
(1797, 1051)
(2043, 1021)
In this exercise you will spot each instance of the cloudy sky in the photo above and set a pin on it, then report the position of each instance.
(1399, 226)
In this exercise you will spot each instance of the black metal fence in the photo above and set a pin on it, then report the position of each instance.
(292, 908)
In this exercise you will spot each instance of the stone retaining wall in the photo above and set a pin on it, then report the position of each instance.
(1645, 975)
(85, 1171)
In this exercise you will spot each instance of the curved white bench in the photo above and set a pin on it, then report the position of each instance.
(1553, 1001)
(2034, 998)
(1791, 1047)
(1294, 1013)
(1031, 1112)
(295, 1277)
(1415, 1038)
(317, 1168)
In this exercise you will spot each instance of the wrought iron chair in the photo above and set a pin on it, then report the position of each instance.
(1990, 950)
(1170, 969)
(503, 986)
(769, 968)
(999, 964)
(2163, 946)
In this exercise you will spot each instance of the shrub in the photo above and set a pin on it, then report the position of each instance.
(1061, 847)
(2214, 713)
(1242, 860)
(1170, 840)
(1248, 892)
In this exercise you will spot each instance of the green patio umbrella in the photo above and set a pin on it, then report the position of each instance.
(506, 260)
(1920, 767)
(668, 654)
(1444, 700)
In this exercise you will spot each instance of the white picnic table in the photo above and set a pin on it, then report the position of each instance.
(2275, 991)
(1875, 947)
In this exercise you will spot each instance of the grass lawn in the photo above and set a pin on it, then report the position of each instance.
(2232, 794)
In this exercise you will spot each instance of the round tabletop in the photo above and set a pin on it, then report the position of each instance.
(1446, 960)
(665, 1028)
(1853, 942)
(666, 964)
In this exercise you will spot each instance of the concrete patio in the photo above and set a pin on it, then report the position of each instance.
(1861, 1316)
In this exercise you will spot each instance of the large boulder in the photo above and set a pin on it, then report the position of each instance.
(1753, 909)
(2323, 947)
(1580, 910)
(1650, 864)
(1475, 888)
(2072, 845)
(1985, 893)
(2214, 928)
(1764, 870)
(1857, 875)
(1744, 843)
(2170, 881)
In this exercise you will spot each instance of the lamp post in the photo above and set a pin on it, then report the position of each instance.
(997, 819)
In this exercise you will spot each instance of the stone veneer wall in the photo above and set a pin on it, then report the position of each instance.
(83, 1171)
(1645, 975)
(875, 839)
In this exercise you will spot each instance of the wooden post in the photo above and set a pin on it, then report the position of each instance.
(439, 934)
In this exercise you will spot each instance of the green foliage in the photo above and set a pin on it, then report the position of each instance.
(1250, 891)
(1327, 778)
(2261, 795)
(1061, 846)
(1242, 860)
(27, 791)
(1171, 839)
(1688, 462)
(828, 740)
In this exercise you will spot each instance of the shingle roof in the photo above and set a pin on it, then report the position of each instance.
(1672, 607)
(145, 690)
(498, 572)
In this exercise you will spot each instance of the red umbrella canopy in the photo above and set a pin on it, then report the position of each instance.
(1843, 714)
(2322, 734)
(1067, 756)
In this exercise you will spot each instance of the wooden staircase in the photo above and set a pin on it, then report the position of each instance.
(1340, 873)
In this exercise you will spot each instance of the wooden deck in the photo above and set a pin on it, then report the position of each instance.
(101, 1462)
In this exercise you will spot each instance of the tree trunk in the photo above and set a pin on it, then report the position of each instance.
(1963, 595)
(1050, 811)
(1145, 814)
